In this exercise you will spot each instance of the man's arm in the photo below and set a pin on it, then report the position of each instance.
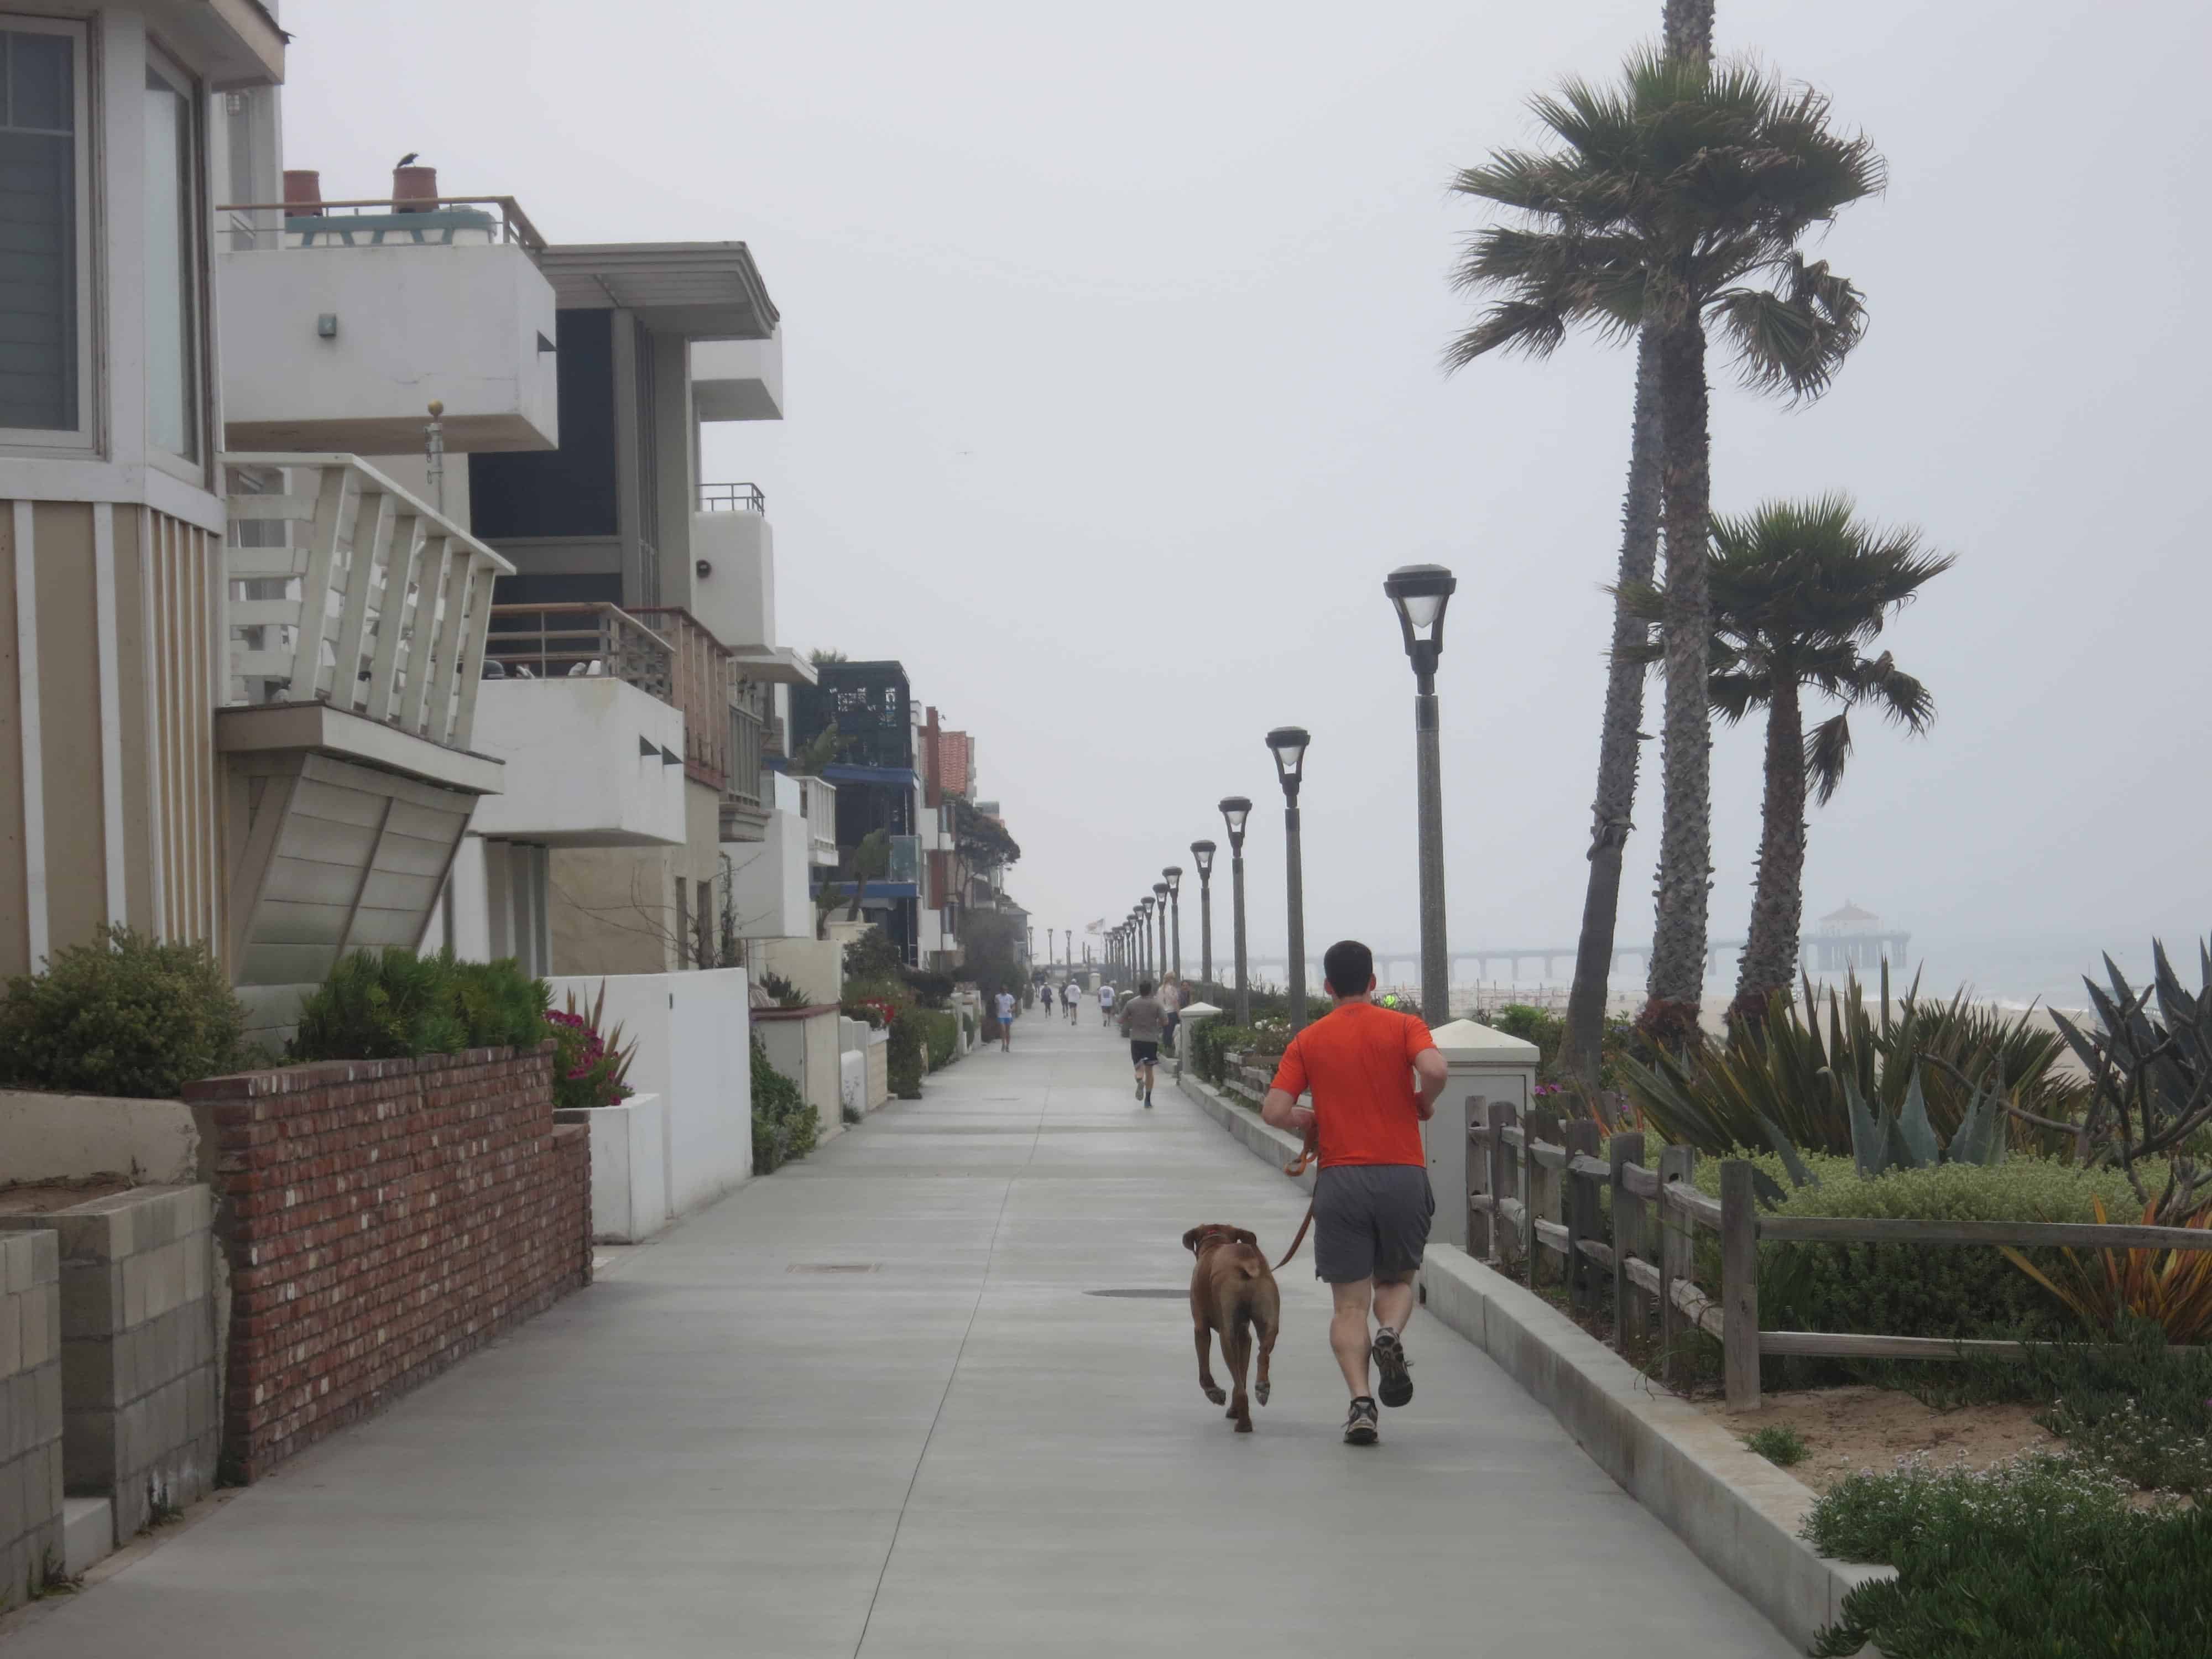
(1431, 1069)
(1281, 1110)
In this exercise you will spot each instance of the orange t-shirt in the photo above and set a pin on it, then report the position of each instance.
(1357, 1060)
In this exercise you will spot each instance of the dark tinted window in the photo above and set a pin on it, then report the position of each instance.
(568, 491)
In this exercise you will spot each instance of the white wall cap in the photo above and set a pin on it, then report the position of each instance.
(1463, 1041)
(1199, 1011)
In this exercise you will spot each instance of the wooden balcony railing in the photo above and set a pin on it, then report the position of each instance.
(702, 680)
(346, 589)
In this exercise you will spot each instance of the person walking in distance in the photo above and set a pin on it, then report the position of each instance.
(1375, 1076)
(1070, 998)
(1004, 1005)
(1143, 1019)
(1106, 1003)
(1171, 1005)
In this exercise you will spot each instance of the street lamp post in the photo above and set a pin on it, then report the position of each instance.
(1235, 810)
(1289, 743)
(1152, 970)
(1420, 592)
(1159, 902)
(1174, 873)
(1201, 852)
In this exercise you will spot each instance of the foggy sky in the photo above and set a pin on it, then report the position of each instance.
(1112, 342)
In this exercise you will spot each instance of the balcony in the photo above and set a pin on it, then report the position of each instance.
(731, 498)
(817, 805)
(357, 616)
(739, 380)
(869, 703)
(341, 326)
(700, 680)
(578, 703)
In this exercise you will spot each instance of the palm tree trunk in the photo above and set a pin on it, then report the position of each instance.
(1687, 29)
(1777, 903)
(1678, 935)
(1618, 745)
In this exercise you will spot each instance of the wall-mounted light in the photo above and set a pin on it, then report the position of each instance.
(327, 326)
(702, 569)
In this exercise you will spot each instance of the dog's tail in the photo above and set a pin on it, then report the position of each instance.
(1298, 1240)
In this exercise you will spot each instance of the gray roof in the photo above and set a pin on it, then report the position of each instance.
(702, 290)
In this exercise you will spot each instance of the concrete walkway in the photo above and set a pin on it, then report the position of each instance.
(871, 1406)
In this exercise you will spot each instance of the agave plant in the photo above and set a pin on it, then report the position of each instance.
(2150, 1076)
(2172, 1287)
(1911, 1083)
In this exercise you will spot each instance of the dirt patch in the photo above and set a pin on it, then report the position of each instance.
(43, 1197)
(1850, 1429)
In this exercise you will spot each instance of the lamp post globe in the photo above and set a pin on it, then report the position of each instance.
(1289, 743)
(1235, 810)
(1202, 855)
(1420, 593)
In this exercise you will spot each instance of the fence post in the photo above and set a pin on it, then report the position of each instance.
(1502, 1170)
(1628, 1311)
(1479, 1142)
(1740, 1285)
(1676, 1254)
(1581, 1138)
(1540, 1188)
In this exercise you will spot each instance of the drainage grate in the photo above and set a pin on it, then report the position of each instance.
(1143, 1293)
(831, 1267)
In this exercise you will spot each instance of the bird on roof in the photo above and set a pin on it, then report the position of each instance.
(408, 160)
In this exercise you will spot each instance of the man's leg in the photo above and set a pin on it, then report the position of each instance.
(1347, 1333)
(1394, 1301)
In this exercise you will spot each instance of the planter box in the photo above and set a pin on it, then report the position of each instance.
(879, 1068)
(629, 1177)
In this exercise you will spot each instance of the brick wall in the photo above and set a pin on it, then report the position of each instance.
(30, 1413)
(382, 1219)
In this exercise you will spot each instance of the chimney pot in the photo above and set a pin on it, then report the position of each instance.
(414, 190)
(303, 189)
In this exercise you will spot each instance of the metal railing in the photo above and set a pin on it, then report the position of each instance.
(578, 641)
(731, 498)
(746, 731)
(344, 588)
(817, 805)
(422, 221)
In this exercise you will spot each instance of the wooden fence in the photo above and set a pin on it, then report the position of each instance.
(1534, 1187)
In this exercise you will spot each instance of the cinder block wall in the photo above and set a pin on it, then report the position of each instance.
(30, 1412)
(138, 1354)
(382, 1219)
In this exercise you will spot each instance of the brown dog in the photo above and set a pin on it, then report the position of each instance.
(1231, 1291)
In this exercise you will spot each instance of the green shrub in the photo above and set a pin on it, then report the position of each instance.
(1778, 1444)
(125, 1016)
(1918, 1289)
(1531, 1024)
(784, 1125)
(941, 1036)
(395, 1005)
(930, 989)
(2037, 1560)
(1212, 1042)
(906, 1055)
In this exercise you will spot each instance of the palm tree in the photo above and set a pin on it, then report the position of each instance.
(1686, 33)
(1677, 197)
(1799, 591)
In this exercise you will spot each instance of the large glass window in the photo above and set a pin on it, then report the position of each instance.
(171, 265)
(41, 356)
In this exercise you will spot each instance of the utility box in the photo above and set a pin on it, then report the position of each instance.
(1486, 1066)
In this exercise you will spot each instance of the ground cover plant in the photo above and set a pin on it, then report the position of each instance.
(1780, 1446)
(2040, 1559)
(784, 1126)
(125, 1015)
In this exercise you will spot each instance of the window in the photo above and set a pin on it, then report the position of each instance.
(172, 382)
(44, 350)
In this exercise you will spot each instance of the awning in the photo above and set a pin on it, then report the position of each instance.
(702, 290)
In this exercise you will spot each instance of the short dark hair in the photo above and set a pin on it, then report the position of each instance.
(1143, 988)
(1349, 967)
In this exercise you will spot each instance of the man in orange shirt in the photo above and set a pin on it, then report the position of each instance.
(1375, 1076)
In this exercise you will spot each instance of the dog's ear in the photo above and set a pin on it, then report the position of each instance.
(1243, 1237)
(1190, 1239)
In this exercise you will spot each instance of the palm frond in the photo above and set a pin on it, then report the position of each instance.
(1827, 747)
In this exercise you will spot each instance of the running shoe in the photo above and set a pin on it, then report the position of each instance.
(1140, 1091)
(1390, 1360)
(1360, 1428)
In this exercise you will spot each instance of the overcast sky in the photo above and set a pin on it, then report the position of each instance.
(1112, 341)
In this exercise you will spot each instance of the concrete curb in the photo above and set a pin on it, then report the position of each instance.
(1739, 1514)
(1277, 1146)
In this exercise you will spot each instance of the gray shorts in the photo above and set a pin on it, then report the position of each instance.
(1371, 1220)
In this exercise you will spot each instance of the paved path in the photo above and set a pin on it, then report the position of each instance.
(724, 1447)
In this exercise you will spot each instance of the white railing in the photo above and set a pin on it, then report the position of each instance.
(817, 803)
(346, 589)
